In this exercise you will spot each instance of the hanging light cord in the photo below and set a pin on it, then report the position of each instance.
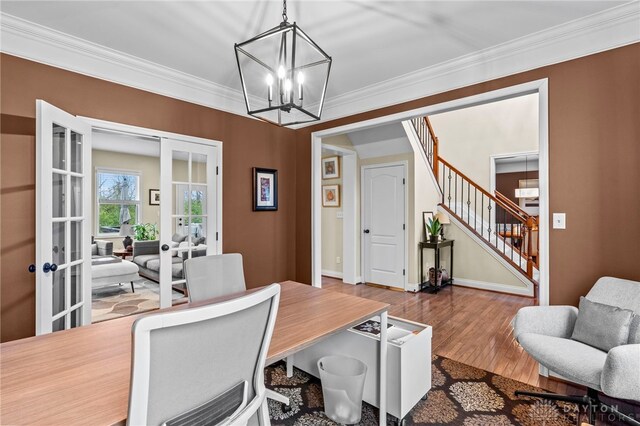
(284, 10)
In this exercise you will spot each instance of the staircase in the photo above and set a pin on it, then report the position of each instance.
(497, 221)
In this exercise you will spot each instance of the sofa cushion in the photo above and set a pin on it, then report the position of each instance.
(113, 269)
(142, 259)
(94, 249)
(571, 359)
(601, 326)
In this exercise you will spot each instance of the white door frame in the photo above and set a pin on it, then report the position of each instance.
(159, 134)
(493, 168)
(538, 86)
(492, 165)
(349, 212)
(363, 260)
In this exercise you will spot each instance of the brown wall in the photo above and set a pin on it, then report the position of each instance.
(506, 184)
(266, 239)
(594, 142)
(594, 105)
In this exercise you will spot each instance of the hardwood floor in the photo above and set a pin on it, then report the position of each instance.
(470, 326)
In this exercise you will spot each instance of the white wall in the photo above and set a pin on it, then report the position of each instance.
(468, 137)
(332, 226)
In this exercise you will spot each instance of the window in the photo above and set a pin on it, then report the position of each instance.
(118, 200)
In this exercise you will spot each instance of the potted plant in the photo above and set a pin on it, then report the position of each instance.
(434, 227)
(145, 231)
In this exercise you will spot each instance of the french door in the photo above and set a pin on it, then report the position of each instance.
(188, 208)
(63, 246)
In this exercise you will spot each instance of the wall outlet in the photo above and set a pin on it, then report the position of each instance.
(339, 214)
(338, 260)
(559, 221)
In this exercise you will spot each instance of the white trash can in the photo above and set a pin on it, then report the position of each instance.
(342, 387)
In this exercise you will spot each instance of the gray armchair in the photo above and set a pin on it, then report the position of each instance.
(548, 334)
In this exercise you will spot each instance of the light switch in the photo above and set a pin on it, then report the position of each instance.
(339, 214)
(559, 221)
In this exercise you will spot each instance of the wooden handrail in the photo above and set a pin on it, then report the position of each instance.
(514, 206)
(485, 192)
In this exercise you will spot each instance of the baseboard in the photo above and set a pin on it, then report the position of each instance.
(482, 285)
(413, 287)
(332, 274)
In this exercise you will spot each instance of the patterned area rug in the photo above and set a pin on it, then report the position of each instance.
(117, 301)
(459, 395)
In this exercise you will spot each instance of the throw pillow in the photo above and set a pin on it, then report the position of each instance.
(178, 238)
(601, 326)
(199, 240)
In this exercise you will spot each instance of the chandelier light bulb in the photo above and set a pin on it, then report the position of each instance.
(269, 80)
(300, 78)
(280, 72)
(287, 85)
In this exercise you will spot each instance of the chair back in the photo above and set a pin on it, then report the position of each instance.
(612, 291)
(213, 276)
(202, 365)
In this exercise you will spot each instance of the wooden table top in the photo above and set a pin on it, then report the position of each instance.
(81, 376)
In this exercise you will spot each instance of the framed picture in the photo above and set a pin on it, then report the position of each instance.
(330, 168)
(154, 197)
(330, 195)
(426, 216)
(265, 189)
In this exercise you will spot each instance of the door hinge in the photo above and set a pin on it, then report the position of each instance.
(403, 181)
(216, 236)
(403, 227)
(217, 172)
(403, 272)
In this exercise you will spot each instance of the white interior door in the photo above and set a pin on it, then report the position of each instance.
(188, 206)
(383, 225)
(63, 209)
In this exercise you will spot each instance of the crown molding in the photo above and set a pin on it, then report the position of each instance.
(609, 29)
(612, 28)
(28, 40)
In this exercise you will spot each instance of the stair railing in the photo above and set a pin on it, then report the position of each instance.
(504, 228)
(428, 140)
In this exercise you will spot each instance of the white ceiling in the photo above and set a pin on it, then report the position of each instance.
(380, 141)
(372, 42)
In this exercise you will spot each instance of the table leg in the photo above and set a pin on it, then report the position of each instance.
(383, 369)
(290, 366)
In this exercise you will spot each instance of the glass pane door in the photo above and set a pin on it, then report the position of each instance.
(63, 260)
(188, 217)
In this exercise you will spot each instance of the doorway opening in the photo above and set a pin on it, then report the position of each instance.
(536, 87)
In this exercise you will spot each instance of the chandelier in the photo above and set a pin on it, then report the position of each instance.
(284, 74)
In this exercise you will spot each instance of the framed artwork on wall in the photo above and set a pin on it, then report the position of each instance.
(154, 197)
(330, 195)
(426, 216)
(265, 189)
(330, 168)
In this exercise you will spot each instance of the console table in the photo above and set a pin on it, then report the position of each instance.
(436, 246)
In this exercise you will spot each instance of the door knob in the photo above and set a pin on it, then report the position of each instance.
(49, 267)
(32, 268)
(366, 231)
(164, 247)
